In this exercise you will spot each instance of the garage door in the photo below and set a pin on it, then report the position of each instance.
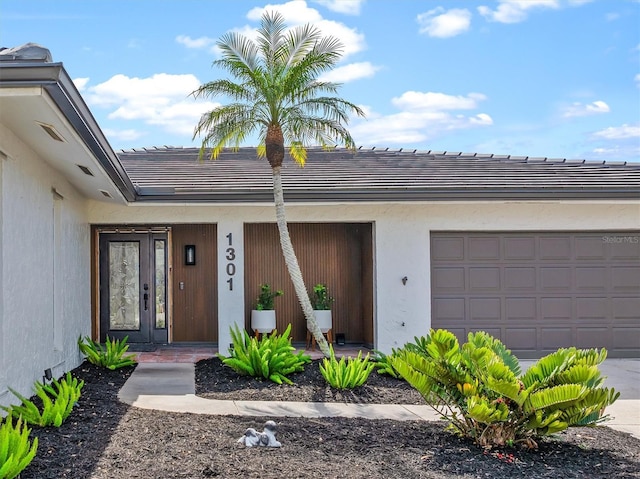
(537, 292)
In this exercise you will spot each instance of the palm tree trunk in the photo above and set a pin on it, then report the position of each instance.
(291, 261)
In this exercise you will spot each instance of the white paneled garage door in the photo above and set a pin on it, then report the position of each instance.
(539, 291)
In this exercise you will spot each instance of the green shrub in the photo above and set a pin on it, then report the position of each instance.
(384, 365)
(346, 373)
(481, 392)
(320, 300)
(266, 298)
(16, 451)
(58, 399)
(270, 357)
(111, 355)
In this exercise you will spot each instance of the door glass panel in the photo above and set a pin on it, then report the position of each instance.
(124, 285)
(160, 284)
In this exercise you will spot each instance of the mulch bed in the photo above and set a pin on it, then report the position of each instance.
(104, 438)
(216, 381)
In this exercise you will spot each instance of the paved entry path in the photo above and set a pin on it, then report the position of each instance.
(171, 387)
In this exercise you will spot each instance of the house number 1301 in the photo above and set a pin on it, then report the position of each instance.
(230, 257)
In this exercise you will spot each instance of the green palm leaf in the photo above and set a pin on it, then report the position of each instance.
(554, 396)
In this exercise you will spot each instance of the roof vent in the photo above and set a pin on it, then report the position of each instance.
(85, 170)
(51, 131)
(106, 194)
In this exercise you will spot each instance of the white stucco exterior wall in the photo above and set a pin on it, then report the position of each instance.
(230, 279)
(401, 243)
(44, 236)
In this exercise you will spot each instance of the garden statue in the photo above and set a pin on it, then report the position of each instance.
(266, 438)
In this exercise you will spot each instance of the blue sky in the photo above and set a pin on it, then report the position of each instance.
(554, 78)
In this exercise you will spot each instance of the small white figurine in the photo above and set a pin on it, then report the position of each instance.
(266, 438)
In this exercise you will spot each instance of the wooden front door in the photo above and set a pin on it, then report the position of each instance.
(195, 305)
(133, 287)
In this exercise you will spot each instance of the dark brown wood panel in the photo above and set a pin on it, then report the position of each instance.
(366, 235)
(195, 305)
(332, 254)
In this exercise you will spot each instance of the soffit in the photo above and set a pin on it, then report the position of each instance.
(27, 103)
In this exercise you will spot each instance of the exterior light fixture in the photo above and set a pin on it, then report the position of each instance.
(190, 254)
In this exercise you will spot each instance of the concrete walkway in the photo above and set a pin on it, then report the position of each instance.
(171, 387)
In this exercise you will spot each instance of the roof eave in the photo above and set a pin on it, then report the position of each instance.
(54, 79)
(401, 195)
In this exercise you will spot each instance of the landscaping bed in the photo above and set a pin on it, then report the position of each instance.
(104, 438)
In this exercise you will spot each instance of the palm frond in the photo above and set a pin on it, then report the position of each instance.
(276, 83)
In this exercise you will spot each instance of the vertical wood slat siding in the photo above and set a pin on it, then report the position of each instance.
(195, 311)
(328, 253)
(367, 283)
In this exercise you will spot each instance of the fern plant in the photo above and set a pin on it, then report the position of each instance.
(16, 450)
(111, 355)
(57, 398)
(270, 357)
(347, 373)
(480, 390)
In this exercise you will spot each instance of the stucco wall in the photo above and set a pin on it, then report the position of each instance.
(44, 270)
(401, 243)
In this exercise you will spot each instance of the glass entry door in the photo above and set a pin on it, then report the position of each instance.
(133, 287)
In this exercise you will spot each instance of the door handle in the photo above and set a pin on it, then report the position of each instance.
(146, 297)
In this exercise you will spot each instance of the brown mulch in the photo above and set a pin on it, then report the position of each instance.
(105, 439)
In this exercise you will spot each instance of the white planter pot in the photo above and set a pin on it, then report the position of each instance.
(263, 321)
(324, 319)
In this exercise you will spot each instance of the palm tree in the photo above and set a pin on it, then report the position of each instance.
(277, 94)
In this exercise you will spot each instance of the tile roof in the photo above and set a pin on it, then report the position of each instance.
(175, 174)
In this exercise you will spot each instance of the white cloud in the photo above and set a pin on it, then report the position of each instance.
(297, 12)
(619, 132)
(432, 101)
(122, 135)
(623, 152)
(444, 24)
(515, 11)
(612, 16)
(197, 43)
(81, 83)
(423, 116)
(161, 99)
(348, 7)
(579, 109)
(351, 72)
(637, 80)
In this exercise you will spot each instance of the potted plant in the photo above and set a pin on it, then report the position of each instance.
(263, 317)
(321, 302)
